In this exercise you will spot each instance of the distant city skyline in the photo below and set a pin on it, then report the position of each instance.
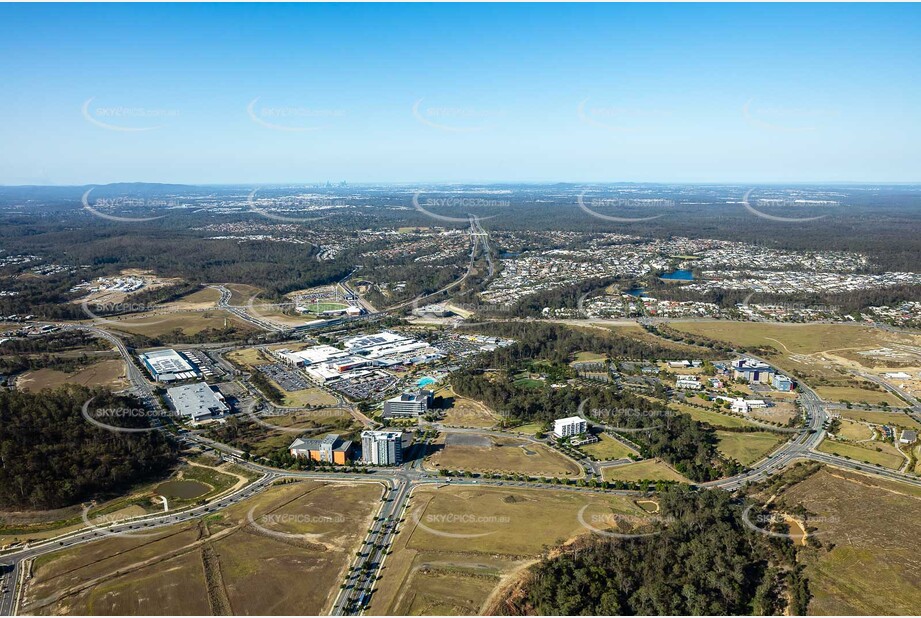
(301, 94)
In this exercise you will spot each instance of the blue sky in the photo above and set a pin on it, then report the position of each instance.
(375, 93)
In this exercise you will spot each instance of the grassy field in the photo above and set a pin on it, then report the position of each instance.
(248, 358)
(887, 457)
(433, 573)
(108, 373)
(240, 293)
(871, 538)
(188, 322)
(463, 412)
(854, 431)
(899, 419)
(503, 455)
(221, 564)
(317, 308)
(715, 419)
(607, 448)
(858, 395)
(650, 469)
(202, 299)
(748, 447)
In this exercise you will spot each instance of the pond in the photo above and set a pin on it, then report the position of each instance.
(679, 275)
(185, 490)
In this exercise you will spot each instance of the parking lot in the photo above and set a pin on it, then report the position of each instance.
(369, 386)
(284, 377)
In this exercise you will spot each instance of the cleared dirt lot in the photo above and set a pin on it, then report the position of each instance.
(487, 454)
(227, 563)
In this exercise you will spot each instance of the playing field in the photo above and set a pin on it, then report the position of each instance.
(460, 545)
(871, 539)
(223, 564)
(887, 456)
(108, 373)
(491, 454)
(748, 447)
(648, 470)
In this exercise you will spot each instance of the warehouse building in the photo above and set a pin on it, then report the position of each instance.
(197, 402)
(168, 366)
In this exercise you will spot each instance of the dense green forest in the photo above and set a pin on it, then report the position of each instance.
(703, 561)
(558, 343)
(52, 457)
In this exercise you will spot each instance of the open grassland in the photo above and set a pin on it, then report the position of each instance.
(607, 448)
(240, 293)
(887, 456)
(204, 298)
(502, 455)
(459, 545)
(854, 431)
(248, 358)
(716, 419)
(304, 397)
(648, 470)
(464, 412)
(154, 324)
(899, 419)
(869, 561)
(108, 373)
(858, 395)
(748, 447)
(227, 563)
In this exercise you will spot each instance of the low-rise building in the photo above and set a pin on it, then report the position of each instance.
(752, 371)
(197, 402)
(688, 383)
(331, 449)
(782, 383)
(569, 426)
(408, 404)
(168, 366)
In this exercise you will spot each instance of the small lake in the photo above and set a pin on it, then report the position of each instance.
(185, 490)
(679, 275)
(636, 292)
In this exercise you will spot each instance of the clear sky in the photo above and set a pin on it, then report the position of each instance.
(374, 93)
